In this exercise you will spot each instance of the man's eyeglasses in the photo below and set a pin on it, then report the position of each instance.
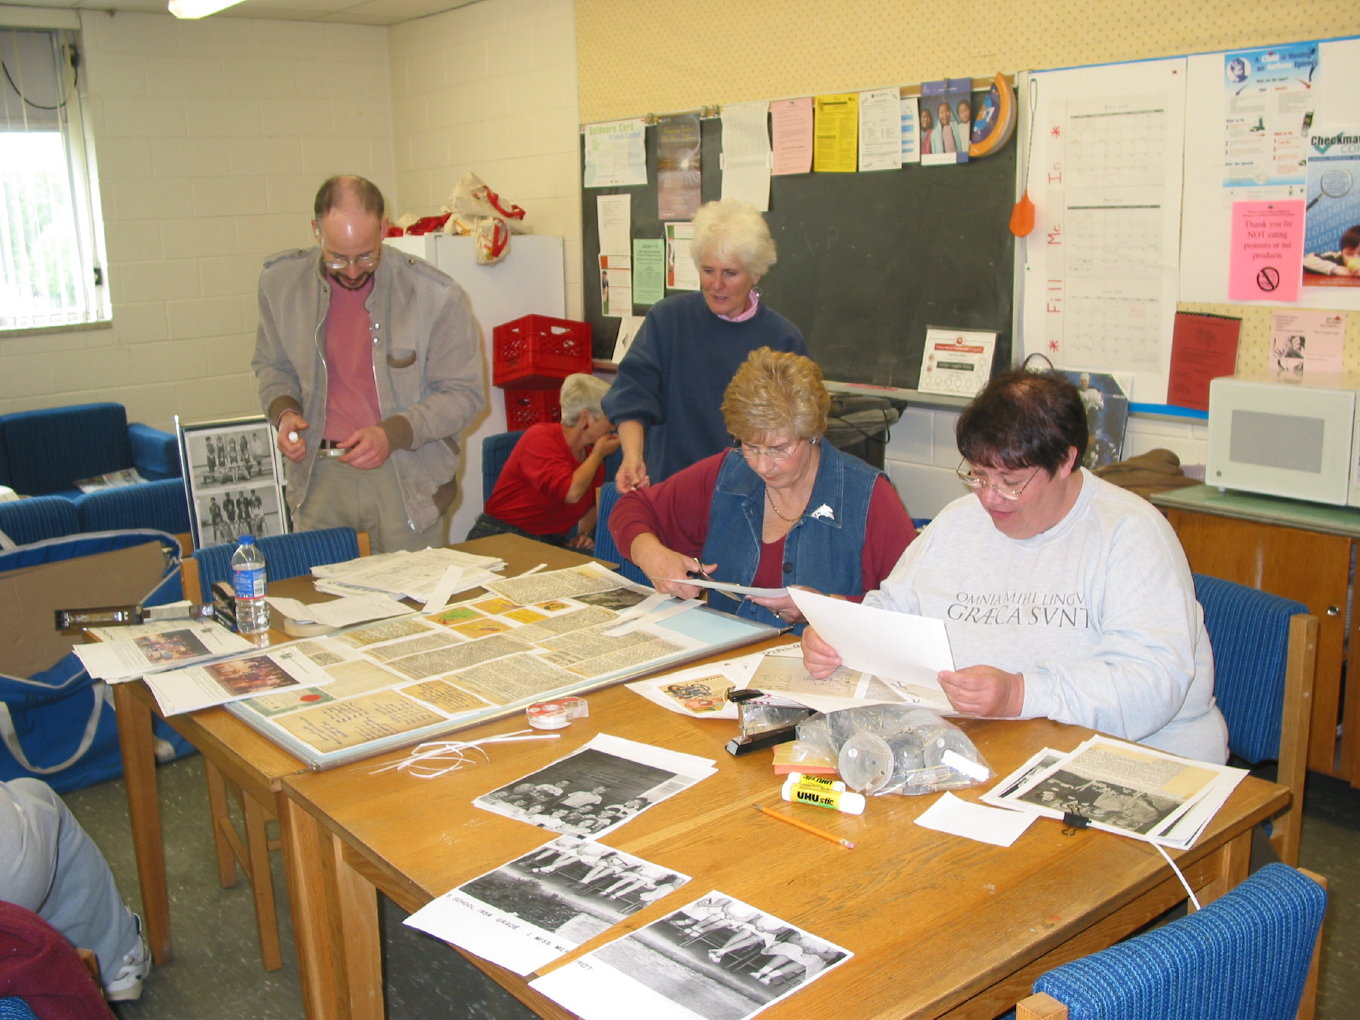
(774, 453)
(338, 264)
(978, 483)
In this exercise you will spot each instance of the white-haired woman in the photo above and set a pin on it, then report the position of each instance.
(670, 384)
(548, 484)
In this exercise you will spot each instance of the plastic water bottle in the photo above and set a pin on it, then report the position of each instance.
(248, 581)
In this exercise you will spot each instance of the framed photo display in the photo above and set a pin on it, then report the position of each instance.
(233, 479)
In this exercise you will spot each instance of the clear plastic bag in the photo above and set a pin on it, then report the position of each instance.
(895, 749)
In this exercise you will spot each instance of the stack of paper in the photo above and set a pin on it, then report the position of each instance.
(1122, 788)
(414, 575)
(126, 653)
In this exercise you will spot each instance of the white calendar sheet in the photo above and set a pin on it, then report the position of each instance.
(1101, 267)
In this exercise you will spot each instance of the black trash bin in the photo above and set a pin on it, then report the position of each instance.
(858, 424)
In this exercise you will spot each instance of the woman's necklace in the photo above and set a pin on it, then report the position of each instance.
(786, 520)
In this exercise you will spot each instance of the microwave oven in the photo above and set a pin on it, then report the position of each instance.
(1297, 437)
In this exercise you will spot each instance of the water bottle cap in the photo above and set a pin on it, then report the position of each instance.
(247, 539)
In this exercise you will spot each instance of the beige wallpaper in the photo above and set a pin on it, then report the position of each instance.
(658, 56)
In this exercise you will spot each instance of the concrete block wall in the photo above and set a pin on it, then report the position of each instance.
(491, 88)
(211, 138)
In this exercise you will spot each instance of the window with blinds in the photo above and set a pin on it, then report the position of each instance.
(51, 237)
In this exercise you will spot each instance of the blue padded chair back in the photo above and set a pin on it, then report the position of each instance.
(605, 546)
(49, 449)
(1245, 956)
(39, 518)
(1249, 632)
(161, 505)
(496, 450)
(284, 555)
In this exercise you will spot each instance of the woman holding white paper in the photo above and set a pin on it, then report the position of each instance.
(1067, 597)
(780, 507)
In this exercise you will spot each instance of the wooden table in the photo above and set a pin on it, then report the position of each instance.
(242, 754)
(941, 926)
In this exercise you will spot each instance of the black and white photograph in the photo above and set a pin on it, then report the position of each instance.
(716, 958)
(546, 903)
(1098, 800)
(598, 788)
(233, 478)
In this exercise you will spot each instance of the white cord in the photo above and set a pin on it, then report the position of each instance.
(436, 758)
(1189, 892)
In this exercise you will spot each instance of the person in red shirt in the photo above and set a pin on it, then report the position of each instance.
(548, 485)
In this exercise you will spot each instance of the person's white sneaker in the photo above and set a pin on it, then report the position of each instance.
(127, 983)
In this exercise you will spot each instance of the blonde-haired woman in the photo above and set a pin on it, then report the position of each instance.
(780, 507)
(671, 381)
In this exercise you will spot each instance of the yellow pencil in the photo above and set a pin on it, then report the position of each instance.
(806, 827)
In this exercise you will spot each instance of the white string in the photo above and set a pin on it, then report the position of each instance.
(436, 758)
(1189, 892)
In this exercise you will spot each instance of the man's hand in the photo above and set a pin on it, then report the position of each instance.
(819, 658)
(291, 425)
(366, 448)
(984, 691)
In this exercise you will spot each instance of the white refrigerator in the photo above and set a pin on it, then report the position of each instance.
(530, 281)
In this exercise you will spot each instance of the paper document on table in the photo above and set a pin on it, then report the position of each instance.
(1123, 788)
(731, 588)
(906, 651)
(187, 690)
(547, 902)
(412, 574)
(125, 653)
(341, 612)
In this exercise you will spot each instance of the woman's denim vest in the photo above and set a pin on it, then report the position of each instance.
(823, 550)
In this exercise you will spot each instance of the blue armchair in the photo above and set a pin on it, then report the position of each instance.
(46, 451)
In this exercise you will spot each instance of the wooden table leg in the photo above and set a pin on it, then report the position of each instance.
(137, 743)
(335, 922)
(358, 906)
(1231, 863)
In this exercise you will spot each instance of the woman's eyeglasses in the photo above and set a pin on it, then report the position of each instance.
(978, 483)
(774, 453)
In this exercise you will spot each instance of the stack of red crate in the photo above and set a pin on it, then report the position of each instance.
(531, 357)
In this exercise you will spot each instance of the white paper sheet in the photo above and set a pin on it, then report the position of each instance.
(975, 821)
(342, 612)
(906, 651)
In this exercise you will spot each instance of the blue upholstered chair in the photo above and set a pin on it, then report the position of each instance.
(160, 504)
(496, 450)
(605, 546)
(1245, 956)
(47, 450)
(285, 556)
(37, 519)
(1265, 651)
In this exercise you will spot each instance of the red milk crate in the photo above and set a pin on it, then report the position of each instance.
(529, 407)
(538, 352)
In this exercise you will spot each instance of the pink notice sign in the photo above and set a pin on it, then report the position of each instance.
(1266, 259)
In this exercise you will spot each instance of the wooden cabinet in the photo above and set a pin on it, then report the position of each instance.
(1303, 552)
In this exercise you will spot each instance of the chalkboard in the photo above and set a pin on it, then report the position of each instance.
(867, 261)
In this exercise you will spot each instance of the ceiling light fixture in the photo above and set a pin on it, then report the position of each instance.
(189, 9)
